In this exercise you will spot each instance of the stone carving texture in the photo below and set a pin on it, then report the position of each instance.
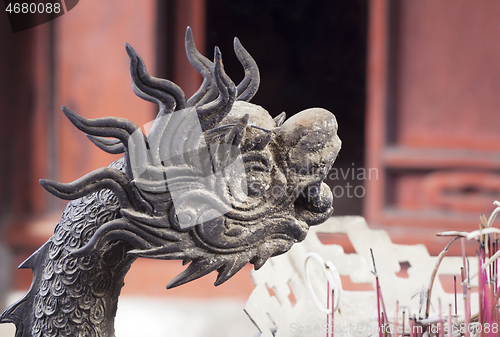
(216, 183)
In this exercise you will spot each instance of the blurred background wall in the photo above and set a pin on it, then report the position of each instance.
(432, 117)
(413, 85)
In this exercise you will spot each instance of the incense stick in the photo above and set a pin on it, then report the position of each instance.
(328, 307)
(455, 290)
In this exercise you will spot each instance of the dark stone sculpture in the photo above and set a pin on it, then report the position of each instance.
(217, 183)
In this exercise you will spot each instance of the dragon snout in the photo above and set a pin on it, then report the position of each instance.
(311, 137)
(313, 145)
(314, 204)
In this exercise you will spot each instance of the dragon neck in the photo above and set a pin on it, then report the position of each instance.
(74, 296)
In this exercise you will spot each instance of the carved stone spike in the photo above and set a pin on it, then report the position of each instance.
(217, 183)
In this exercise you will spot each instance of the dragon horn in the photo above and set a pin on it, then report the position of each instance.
(212, 113)
(105, 177)
(167, 94)
(113, 146)
(115, 127)
(280, 119)
(207, 92)
(250, 83)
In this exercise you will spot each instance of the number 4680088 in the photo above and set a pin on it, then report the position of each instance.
(33, 8)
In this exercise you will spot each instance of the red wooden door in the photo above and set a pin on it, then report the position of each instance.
(433, 116)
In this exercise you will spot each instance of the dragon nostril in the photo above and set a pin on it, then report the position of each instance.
(313, 191)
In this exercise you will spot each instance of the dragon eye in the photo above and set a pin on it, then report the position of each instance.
(255, 187)
(258, 179)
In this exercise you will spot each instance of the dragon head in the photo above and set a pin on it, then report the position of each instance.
(217, 182)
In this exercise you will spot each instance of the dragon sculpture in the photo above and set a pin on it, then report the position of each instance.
(217, 183)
